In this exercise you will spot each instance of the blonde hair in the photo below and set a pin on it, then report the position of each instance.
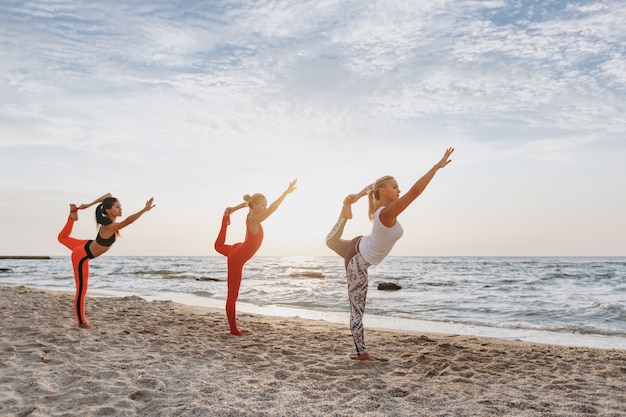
(373, 196)
(253, 199)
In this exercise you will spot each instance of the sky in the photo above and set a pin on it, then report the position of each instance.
(196, 103)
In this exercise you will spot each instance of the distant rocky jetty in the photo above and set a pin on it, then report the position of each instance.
(24, 257)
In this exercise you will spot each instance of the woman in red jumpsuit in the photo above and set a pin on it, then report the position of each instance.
(239, 253)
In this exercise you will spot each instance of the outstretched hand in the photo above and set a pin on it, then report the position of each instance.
(292, 187)
(445, 160)
(149, 206)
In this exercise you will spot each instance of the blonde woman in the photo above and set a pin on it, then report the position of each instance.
(239, 253)
(385, 205)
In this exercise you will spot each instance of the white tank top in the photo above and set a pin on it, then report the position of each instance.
(375, 247)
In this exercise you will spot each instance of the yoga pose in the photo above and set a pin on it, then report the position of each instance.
(107, 212)
(239, 253)
(385, 204)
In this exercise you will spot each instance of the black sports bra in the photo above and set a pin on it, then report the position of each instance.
(105, 242)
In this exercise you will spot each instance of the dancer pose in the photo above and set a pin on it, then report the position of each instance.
(239, 253)
(107, 212)
(385, 204)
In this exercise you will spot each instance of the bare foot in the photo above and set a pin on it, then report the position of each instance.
(227, 212)
(346, 210)
(366, 357)
(84, 326)
(236, 332)
(73, 212)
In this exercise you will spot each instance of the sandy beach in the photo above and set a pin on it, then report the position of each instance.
(163, 359)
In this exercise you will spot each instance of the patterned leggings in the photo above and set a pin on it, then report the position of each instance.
(357, 277)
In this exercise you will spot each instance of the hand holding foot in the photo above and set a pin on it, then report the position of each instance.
(346, 211)
(73, 212)
(228, 212)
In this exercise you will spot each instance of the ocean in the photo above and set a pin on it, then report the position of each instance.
(573, 301)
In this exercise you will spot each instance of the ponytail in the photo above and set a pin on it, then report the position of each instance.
(373, 196)
(252, 199)
(101, 211)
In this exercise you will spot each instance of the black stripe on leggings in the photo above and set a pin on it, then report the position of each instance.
(80, 288)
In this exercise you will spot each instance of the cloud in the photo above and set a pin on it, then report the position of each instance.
(383, 60)
(167, 95)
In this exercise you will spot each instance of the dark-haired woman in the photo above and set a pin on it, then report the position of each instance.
(385, 205)
(239, 253)
(107, 212)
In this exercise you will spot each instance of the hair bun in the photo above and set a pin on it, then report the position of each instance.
(246, 197)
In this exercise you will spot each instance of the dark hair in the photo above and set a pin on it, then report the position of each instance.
(101, 211)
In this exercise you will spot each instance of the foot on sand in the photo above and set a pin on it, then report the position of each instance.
(367, 357)
(236, 332)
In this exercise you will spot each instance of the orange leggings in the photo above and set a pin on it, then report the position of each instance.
(80, 261)
(237, 254)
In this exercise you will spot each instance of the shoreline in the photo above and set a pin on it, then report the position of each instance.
(160, 358)
(373, 322)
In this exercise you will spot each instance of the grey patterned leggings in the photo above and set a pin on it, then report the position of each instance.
(356, 274)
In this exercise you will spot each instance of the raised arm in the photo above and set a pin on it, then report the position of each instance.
(389, 214)
(258, 218)
(231, 210)
(353, 198)
(96, 201)
(131, 219)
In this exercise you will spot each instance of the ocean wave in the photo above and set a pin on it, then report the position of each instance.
(440, 283)
(567, 295)
(153, 272)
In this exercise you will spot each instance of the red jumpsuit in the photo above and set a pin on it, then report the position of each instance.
(237, 254)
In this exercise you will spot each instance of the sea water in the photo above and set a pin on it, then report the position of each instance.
(575, 301)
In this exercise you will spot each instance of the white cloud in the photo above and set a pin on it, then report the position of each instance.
(167, 96)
